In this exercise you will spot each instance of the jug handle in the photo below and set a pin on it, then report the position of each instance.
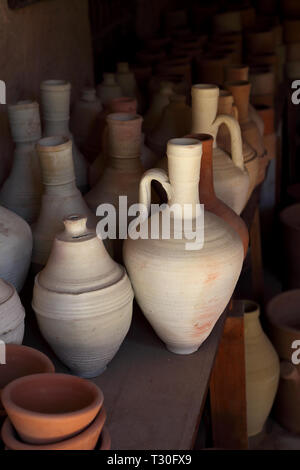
(235, 137)
(145, 185)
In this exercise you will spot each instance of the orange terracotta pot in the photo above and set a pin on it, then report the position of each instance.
(69, 406)
(291, 31)
(211, 69)
(22, 361)
(260, 42)
(86, 440)
(207, 193)
(236, 72)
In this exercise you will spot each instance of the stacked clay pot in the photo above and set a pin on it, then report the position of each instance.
(262, 87)
(231, 180)
(262, 370)
(169, 275)
(108, 89)
(21, 361)
(12, 315)
(75, 405)
(61, 197)
(21, 192)
(82, 300)
(55, 97)
(15, 248)
(283, 326)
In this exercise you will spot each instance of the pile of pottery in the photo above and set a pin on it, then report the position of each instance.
(70, 416)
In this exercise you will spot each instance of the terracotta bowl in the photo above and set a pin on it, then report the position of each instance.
(22, 361)
(104, 442)
(86, 440)
(48, 408)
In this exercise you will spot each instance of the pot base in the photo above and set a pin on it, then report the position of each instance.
(182, 351)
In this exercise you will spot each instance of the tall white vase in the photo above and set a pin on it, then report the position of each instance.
(55, 96)
(21, 192)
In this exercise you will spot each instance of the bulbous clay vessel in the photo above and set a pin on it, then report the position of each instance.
(82, 300)
(55, 96)
(169, 276)
(15, 248)
(251, 161)
(262, 370)
(61, 197)
(126, 79)
(159, 101)
(21, 192)
(108, 89)
(72, 402)
(175, 122)
(250, 132)
(290, 258)
(231, 180)
(12, 315)
(85, 116)
(21, 361)
(86, 440)
(207, 192)
(283, 327)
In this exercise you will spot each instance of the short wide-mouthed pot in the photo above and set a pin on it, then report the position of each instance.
(22, 361)
(86, 440)
(47, 408)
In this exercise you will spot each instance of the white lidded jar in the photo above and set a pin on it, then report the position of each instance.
(183, 286)
(82, 300)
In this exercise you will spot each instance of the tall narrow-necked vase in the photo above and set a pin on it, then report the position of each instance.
(182, 285)
(55, 96)
(231, 179)
(61, 197)
(21, 192)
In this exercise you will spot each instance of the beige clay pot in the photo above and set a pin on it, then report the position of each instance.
(262, 370)
(15, 248)
(21, 192)
(82, 300)
(168, 277)
(12, 315)
(126, 79)
(56, 96)
(231, 179)
(61, 197)
(159, 101)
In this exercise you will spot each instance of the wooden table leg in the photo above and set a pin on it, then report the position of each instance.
(228, 385)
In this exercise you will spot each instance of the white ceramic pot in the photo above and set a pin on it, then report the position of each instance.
(182, 290)
(12, 315)
(82, 300)
(55, 96)
(21, 192)
(231, 179)
(15, 248)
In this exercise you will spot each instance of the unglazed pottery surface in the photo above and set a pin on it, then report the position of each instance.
(12, 315)
(183, 292)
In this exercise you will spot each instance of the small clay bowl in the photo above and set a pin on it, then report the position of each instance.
(22, 361)
(48, 408)
(104, 442)
(86, 440)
